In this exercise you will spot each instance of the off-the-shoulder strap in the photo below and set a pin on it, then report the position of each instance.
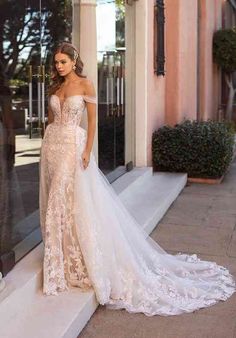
(90, 99)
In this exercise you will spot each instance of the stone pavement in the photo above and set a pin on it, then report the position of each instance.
(203, 221)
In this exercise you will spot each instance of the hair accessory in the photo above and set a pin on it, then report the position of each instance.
(75, 55)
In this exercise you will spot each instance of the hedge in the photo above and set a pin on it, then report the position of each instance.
(200, 149)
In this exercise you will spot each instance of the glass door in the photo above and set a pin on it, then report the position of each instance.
(29, 29)
(111, 87)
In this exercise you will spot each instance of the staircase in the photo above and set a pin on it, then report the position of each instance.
(25, 312)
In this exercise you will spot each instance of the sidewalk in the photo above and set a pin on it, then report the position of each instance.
(203, 221)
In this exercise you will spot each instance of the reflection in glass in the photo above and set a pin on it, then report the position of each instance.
(111, 84)
(28, 31)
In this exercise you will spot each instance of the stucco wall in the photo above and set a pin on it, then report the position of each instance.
(155, 89)
(209, 76)
(181, 60)
(192, 79)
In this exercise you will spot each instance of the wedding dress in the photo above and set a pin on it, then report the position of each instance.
(91, 240)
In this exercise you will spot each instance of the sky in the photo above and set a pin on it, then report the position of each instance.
(106, 30)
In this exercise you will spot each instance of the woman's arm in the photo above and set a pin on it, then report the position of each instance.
(91, 113)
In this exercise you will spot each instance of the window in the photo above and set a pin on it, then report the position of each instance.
(159, 37)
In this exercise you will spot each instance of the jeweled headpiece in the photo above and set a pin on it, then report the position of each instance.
(75, 55)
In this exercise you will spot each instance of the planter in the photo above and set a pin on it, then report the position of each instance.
(205, 180)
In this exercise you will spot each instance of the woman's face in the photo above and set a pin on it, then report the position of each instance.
(63, 63)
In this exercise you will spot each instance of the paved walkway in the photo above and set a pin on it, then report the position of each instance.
(202, 220)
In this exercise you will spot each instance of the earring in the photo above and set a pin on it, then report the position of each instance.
(74, 67)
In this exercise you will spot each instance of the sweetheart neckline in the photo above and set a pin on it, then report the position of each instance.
(61, 103)
(91, 99)
(67, 96)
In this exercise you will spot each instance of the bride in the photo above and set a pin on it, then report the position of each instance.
(90, 239)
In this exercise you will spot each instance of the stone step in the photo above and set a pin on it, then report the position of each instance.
(64, 316)
(25, 312)
(22, 283)
(132, 180)
(149, 201)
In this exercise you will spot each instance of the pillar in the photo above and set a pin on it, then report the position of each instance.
(84, 37)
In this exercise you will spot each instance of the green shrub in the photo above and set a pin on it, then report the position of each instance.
(200, 149)
(224, 54)
(224, 49)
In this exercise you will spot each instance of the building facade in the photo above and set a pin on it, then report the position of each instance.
(191, 87)
(151, 63)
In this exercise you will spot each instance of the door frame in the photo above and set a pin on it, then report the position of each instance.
(130, 90)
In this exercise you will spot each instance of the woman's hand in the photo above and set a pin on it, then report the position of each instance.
(86, 158)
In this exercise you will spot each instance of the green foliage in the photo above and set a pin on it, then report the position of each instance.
(23, 30)
(17, 83)
(120, 23)
(224, 49)
(201, 149)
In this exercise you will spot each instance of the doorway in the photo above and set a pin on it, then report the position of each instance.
(112, 74)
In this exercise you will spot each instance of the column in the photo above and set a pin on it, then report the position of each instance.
(84, 37)
(141, 77)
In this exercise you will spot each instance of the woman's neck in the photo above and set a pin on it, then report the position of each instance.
(71, 77)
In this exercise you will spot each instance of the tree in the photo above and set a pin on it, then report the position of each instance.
(24, 30)
(120, 23)
(224, 53)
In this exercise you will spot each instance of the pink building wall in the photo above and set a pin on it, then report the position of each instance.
(181, 60)
(210, 76)
(192, 85)
(156, 89)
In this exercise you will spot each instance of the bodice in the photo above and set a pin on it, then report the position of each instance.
(70, 111)
(67, 117)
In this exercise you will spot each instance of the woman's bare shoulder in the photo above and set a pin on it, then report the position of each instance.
(88, 87)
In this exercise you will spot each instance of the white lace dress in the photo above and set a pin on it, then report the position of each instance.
(91, 241)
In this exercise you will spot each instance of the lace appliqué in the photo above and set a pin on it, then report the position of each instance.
(63, 260)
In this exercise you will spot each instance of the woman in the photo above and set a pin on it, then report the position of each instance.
(90, 239)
